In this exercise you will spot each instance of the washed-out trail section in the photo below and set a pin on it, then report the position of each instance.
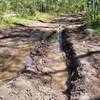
(41, 61)
(32, 65)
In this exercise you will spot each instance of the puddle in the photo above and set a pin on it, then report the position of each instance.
(12, 60)
(15, 54)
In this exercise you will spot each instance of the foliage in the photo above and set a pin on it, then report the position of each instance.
(26, 8)
(30, 7)
(92, 10)
(95, 25)
(19, 20)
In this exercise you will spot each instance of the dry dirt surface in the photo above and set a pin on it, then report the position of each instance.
(39, 61)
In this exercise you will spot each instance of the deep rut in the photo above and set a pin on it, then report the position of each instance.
(83, 77)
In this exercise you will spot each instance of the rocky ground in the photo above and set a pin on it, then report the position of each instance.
(40, 62)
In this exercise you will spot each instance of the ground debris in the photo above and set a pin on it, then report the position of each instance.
(83, 66)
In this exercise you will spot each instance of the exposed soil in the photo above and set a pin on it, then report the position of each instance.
(40, 61)
(83, 60)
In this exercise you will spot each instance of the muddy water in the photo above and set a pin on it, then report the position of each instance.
(56, 68)
(15, 54)
(13, 59)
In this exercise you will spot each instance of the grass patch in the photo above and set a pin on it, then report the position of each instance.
(92, 25)
(43, 16)
(18, 20)
(11, 20)
(95, 25)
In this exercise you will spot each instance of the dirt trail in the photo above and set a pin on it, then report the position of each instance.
(31, 63)
(40, 62)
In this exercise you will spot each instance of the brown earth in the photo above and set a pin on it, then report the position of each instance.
(34, 67)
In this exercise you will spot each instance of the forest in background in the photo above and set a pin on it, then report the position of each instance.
(49, 49)
(18, 10)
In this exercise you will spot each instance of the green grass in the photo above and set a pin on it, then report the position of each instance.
(11, 20)
(95, 25)
(18, 20)
(91, 25)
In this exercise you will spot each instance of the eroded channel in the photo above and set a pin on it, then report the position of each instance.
(28, 50)
(63, 60)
